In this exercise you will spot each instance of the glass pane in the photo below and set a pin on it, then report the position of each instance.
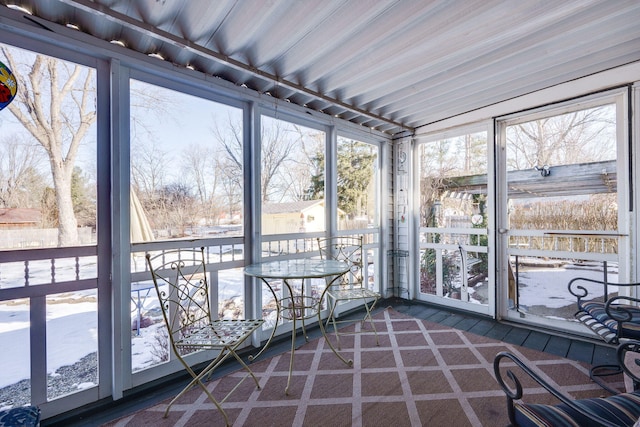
(373, 267)
(186, 166)
(453, 218)
(149, 339)
(541, 284)
(562, 187)
(48, 154)
(439, 273)
(357, 191)
(269, 304)
(72, 342)
(562, 172)
(292, 181)
(15, 383)
(231, 294)
(453, 180)
(582, 136)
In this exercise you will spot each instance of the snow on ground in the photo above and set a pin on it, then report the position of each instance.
(547, 286)
(72, 334)
(72, 327)
(72, 319)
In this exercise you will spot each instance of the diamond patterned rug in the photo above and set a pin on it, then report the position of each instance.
(421, 374)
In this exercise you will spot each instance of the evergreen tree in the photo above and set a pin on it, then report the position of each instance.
(355, 171)
(316, 189)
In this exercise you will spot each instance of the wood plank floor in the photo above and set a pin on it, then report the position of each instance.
(577, 349)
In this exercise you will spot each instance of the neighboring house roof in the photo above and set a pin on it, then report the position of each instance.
(19, 216)
(289, 207)
(292, 207)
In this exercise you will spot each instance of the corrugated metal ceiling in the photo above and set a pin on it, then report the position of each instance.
(388, 64)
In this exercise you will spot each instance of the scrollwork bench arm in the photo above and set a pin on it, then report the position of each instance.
(516, 392)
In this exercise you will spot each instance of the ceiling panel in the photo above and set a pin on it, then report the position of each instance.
(390, 64)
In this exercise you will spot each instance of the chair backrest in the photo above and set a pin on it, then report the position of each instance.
(182, 285)
(348, 249)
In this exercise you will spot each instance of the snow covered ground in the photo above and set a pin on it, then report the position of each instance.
(72, 334)
(541, 285)
(72, 327)
(72, 319)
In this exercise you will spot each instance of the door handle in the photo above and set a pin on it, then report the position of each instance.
(503, 230)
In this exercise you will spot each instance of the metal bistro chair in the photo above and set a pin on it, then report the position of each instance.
(181, 281)
(351, 286)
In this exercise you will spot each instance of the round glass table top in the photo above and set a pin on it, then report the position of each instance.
(297, 268)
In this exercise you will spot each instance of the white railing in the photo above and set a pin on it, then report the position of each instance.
(28, 272)
(569, 244)
(453, 238)
(34, 275)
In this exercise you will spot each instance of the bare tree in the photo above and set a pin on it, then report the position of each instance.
(276, 150)
(178, 207)
(305, 168)
(197, 164)
(200, 168)
(148, 164)
(56, 105)
(21, 185)
(149, 160)
(576, 137)
(434, 168)
(230, 179)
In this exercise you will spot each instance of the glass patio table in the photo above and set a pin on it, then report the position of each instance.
(295, 304)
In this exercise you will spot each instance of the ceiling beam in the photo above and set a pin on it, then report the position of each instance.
(181, 43)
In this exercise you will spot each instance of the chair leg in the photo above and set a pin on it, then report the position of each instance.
(348, 362)
(197, 379)
(246, 368)
(332, 319)
(368, 316)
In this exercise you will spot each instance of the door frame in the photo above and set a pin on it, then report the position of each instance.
(488, 309)
(621, 98)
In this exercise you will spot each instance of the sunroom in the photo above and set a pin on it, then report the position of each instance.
(485, 151)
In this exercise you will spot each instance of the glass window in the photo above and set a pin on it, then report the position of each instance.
(48, 154)
(562, 210)
(186, 183)
(453, 217)
(15, 383)
(186, 166)
(293, 176)
(357, 189)
(72, 342)
(48, 201)
(149, 338)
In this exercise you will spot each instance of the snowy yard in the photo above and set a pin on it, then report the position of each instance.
(72, 319)
(546, 286)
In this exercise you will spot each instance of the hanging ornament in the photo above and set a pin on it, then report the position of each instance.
(8, 86)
